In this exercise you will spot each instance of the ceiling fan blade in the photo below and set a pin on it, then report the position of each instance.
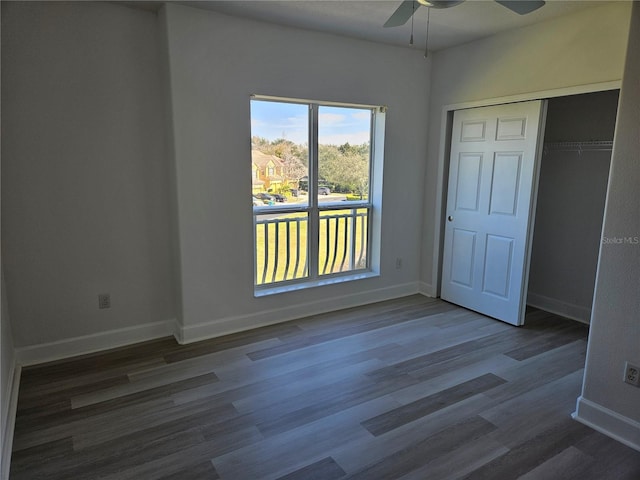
(402, 14)
(521, 7)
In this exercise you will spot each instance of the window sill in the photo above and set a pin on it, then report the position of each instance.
(263, 292)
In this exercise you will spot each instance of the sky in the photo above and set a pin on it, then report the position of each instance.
(336, 125)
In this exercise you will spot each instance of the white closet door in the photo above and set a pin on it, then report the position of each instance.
(491, 185)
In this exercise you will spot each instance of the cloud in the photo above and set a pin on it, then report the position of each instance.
(363, 115)
(353, 138)
(294, 128)
(331, 118)
(336, 126)
(299, 121)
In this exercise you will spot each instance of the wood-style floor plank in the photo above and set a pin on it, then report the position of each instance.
(425, 406)
(370, 449)
(411, 388)
(425, 451)
(325, 469)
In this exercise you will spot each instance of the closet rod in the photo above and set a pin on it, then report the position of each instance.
(578, 146)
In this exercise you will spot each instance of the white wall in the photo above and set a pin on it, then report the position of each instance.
(84, 180)
(570, 208)
(607, 402)
(583, 48)
(86, 196)
(216, 62)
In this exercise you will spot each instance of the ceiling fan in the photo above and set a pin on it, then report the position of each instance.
(407, 8)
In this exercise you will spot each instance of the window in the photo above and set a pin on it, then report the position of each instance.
(318, 220)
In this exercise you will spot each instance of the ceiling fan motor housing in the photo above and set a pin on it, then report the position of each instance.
(439, 3)
(408, 7)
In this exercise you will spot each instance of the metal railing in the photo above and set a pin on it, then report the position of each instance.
(282, 244)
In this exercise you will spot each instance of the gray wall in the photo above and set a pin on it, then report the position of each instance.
(615, 324)
(216, 62)
(571, 196)
(582, 118)
(84, 180)
(92, 204)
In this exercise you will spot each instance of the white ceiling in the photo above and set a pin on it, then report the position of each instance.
(363, 19)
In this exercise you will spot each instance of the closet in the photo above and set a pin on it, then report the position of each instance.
(572, 189)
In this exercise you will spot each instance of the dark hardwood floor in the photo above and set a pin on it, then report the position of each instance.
(413, 388)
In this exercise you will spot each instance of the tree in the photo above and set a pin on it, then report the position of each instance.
(345, 167)
(294, 159)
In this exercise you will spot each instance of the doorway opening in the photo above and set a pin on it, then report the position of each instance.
(572, 189)
(572, 178)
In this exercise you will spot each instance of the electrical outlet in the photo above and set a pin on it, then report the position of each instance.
(398, 263)
(104, 300)
(632, 374)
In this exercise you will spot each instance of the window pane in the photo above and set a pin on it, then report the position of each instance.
(298, 238)
(344, 139)
(343, 240)
(281, 247)
(279, 153)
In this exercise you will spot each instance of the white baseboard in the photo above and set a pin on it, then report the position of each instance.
(427, 290)
(10, 421)
(225, 326)
(559, 307)
(608, 422)
(47, 352)
(62, 349)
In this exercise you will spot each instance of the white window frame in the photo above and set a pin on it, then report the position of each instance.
(373, 204)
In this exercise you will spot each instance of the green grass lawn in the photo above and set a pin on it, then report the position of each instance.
(335, 236)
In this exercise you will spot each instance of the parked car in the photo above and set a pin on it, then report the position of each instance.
(279, 198)
(256, 201)
(324, 191)
(266, 198)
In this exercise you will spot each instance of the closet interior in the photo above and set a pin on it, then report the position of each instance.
(572, 190)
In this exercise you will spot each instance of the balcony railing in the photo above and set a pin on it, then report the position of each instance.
(282, 244)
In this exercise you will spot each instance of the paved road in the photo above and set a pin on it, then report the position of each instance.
(334, 197)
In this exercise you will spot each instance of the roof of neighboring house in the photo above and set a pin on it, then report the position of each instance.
(262, 159)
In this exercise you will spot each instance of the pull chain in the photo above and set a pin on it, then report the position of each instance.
(426, 43)
(413, 6)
